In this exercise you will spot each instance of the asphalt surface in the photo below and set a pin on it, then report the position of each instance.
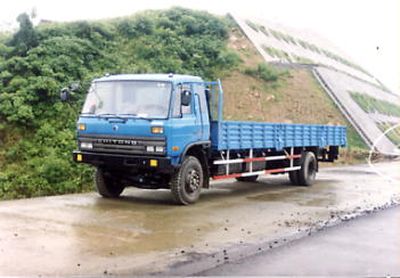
(145, 233)
(368, 247)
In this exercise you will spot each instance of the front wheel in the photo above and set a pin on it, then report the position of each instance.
(106, 185)
(186, 184)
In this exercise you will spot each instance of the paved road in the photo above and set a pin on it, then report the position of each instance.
(143, 232)
(368, 247)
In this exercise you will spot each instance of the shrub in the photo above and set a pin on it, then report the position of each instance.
(264, 72)
(252, 25)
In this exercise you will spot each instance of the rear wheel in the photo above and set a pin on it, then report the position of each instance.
(308, 170)
(294, 177)
(106, 185)
(186, 184)
(248, 179)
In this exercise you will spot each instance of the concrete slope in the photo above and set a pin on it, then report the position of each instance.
(338, 85)
(262, 38)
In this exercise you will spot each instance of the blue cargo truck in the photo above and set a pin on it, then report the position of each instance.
(167, 131)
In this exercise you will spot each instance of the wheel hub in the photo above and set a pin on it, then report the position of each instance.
(193, 180)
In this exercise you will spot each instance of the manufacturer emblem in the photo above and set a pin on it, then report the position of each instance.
(117, 141)
(115, 127)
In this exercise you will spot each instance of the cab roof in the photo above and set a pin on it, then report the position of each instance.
(150, 77)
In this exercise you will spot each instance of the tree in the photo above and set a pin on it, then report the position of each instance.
(25, 38)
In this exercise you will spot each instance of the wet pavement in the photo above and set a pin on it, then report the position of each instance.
(144, 233)
(369, 246)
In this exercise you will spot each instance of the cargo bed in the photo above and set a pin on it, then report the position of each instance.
(236, 135)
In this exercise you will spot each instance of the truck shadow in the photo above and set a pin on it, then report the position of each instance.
(227, 191)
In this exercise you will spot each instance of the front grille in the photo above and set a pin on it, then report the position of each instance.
(122, 144)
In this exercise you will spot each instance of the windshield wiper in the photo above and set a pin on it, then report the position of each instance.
(110, 115)
(137, 116)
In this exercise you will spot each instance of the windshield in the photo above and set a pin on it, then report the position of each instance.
(147, 99)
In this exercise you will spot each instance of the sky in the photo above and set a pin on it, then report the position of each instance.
(367, 30)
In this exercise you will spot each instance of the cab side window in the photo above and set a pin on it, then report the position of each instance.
(200, 90)
(178, 108)
(186, 109)
(176, 112)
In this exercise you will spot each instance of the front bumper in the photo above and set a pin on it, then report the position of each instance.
(127, 161)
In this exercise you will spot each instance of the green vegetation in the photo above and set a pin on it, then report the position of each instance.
(344, 61)
(282, 36)
(372, 105)
(330, 55)
(277, 53)
(303, 60)
(309, 46)
(393, 135)
(264, 31)
(264, 72)
(25, 38)
(252, 25)
(37, 131)
(354, 140)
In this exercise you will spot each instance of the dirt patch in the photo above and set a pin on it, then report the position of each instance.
(295, 98)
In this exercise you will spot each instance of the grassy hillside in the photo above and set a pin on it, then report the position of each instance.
(37, 131)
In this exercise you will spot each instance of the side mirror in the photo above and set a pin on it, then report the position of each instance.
(64, 94)
(186, 98)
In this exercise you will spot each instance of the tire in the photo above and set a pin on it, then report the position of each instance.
(107, 186)
(308, 171)
(186, 184)
(294, 177)
(248, 179)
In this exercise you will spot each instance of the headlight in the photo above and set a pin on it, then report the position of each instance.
(86, 145)
(81, 127)
(159, 149)
(150, 148)
(157, 129)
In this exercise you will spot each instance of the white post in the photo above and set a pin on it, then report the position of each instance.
(227, 165)
(251, 162)
(291, 156)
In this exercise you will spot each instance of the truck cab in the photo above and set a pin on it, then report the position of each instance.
(136, 129)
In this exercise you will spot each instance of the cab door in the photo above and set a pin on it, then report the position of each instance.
(186, 121)
(202, 111)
